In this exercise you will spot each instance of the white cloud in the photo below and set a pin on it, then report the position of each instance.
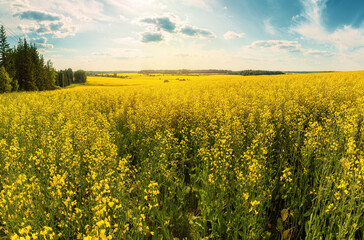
(166, 27)
(166, 23)
(309, 25)
(233, 35)
(312, 52)
(288, 47)
(347, 38)
(59, 29)
(61, 18)
(81, 10)
(277, 45)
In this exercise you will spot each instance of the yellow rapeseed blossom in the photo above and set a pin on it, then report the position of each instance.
(208, 156)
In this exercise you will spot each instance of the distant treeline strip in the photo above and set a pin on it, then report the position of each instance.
(24, 69)
(212, 71)
(257, 72)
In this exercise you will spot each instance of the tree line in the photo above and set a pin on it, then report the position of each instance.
(22, 68)
(256, 72)
(211, 71)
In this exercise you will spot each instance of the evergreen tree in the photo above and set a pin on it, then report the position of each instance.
(24, 67)
(37, 63)
(4, 46)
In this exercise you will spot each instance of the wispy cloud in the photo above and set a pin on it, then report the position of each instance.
(277, 45)
(233, 35)
(318, 53)
(285, 46)
(309, 24)
(269, 28)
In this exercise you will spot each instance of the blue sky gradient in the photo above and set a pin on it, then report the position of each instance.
(292, 35)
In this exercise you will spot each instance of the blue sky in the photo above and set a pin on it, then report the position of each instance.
(193, 34)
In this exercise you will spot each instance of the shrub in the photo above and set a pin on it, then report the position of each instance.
(5, 81)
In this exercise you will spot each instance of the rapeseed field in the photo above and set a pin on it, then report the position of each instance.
(185, 157)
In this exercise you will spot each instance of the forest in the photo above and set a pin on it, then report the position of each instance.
(23, 68)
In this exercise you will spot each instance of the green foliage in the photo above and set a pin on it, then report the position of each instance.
(5, 81)
(15, 85)
(65, 78)
(80, 76)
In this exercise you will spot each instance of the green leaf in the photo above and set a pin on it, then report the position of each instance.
(308, 213)
(286, 234)
(284, 214)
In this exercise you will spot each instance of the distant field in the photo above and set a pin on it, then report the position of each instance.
(133, 79)
(185, 157)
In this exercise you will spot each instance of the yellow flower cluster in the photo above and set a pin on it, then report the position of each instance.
(212, 157)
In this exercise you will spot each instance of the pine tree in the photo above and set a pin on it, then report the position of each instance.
(37, 68)
(24, 67)
(4, 46)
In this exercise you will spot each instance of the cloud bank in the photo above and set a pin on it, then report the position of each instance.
(159, 27)
(38, 16)
(162, 23)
